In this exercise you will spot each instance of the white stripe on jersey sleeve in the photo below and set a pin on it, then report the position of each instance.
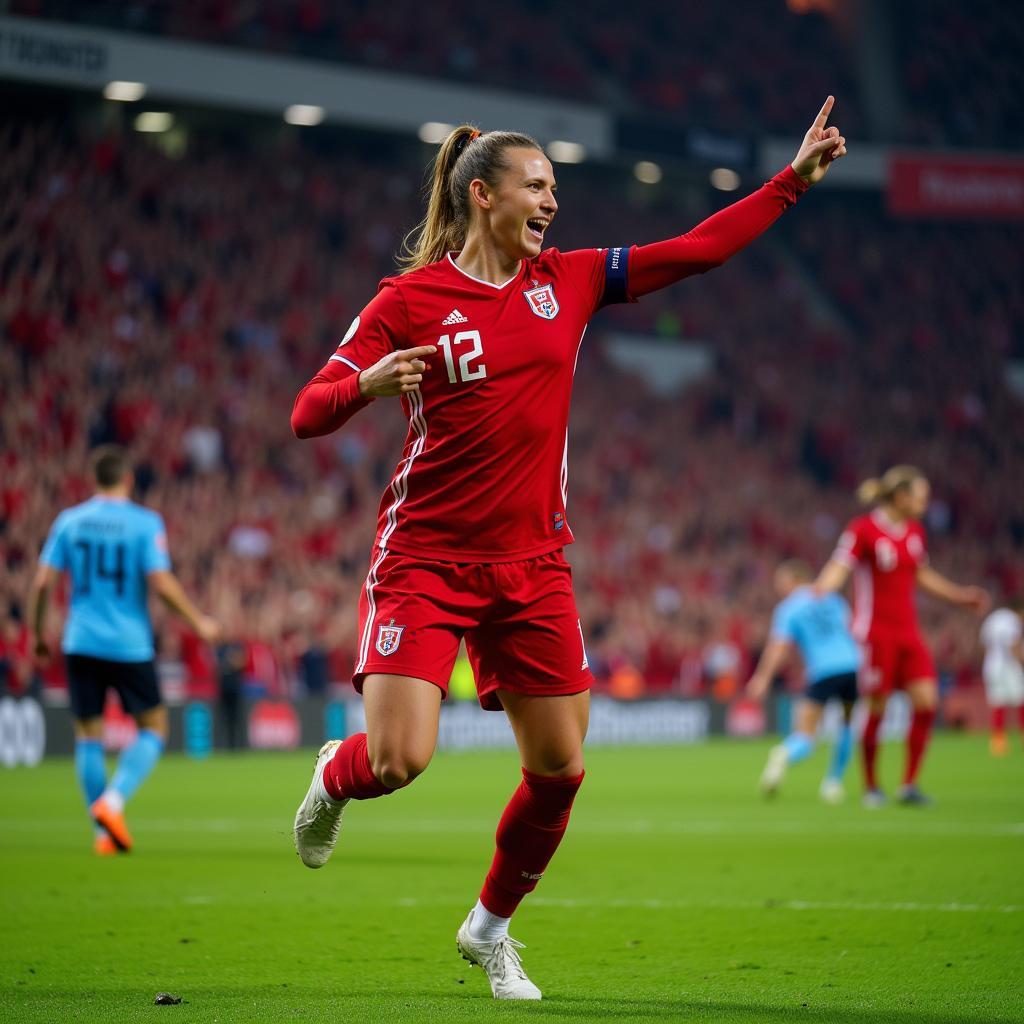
(347, 362)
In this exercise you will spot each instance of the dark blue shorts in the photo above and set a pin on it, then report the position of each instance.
(842, 687)
(88, 679)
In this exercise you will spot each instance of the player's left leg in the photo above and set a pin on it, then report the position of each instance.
(997, 744)
(916, 673)
(136, 685)
(549, 732)
(796, 747)
(87, 691)
(91, 772)
(996, 697)
(529, 659)
(877, 677)
(831, 789)
(1015, 693)
(924, 699)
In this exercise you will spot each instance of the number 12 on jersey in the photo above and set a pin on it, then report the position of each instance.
(464, 372)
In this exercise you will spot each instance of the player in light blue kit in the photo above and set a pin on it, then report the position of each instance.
(819, 627)
(114, 552)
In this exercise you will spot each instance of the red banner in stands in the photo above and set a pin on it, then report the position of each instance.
(956, 187)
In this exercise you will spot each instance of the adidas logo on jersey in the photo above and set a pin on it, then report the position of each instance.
(454, 317)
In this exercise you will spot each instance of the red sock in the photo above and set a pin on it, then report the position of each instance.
(917, 742)
(999, 719)
(528, 835)
(869, 749)
(348, 774)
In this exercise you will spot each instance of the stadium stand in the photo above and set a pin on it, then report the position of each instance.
(703, 66)
(957, 73)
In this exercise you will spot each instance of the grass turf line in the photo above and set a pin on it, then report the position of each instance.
(677, 895)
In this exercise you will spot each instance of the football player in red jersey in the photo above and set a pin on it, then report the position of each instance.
(478, 338)
(886, 552)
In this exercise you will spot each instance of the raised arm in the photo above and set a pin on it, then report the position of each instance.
(725, 233)
(934, 583)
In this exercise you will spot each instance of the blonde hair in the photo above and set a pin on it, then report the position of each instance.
(466, 154)
(877, 490)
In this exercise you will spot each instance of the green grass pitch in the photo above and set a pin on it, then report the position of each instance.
(676, 896)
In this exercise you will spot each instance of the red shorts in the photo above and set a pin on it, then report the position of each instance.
(891, 662)
(519, 621)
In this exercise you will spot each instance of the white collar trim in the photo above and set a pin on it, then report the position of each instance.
(478, 280)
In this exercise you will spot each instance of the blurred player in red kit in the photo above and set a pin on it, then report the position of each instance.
(478, 338)
(886, 552)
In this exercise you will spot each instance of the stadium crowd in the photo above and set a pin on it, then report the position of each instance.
(958, 75)
(701, 65)
(176, 306)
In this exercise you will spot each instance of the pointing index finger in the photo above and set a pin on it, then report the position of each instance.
(421, 350)
(826, 107)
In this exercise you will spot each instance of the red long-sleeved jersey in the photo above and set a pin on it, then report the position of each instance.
(483, 473)
(885, 560)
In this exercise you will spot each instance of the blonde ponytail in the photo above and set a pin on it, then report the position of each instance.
(870, 491)
(876, 490)
(466, 154)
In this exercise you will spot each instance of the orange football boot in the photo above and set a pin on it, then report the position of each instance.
(104, 846)
(113, 821)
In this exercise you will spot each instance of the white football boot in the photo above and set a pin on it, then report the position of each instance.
(774, 769)
(831, 791)
(500, 962)
(318, 819)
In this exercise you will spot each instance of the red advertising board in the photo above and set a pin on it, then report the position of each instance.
(956, 187)
(274, 725)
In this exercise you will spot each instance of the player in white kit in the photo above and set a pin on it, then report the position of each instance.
(1001, 636)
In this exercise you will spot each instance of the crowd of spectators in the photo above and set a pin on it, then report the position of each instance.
(956, 65)
(177, 305)
(695, 64)
(962, 75)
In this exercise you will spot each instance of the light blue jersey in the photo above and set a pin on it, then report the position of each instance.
(109, 546)
(820, 628)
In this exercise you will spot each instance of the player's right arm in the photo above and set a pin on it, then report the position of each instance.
(372, 361)
(774, 655)
(53, 560)
(848, 552)
(832, 577)
(43, 582)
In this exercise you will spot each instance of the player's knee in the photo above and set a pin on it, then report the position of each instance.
(560, 767)
(154, 720)
(925, 699)
(397, 771)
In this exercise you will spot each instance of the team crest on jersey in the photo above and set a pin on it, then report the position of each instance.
(389, 637)
(543, 302)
